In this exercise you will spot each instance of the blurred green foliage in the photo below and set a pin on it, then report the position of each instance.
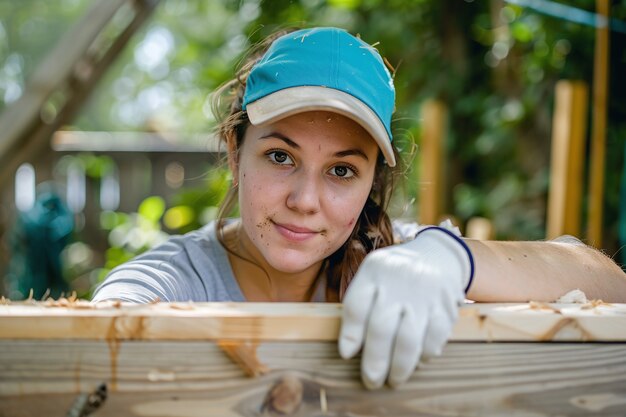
(130, 234)
(28, 30)
(194, 207)
(494, 65)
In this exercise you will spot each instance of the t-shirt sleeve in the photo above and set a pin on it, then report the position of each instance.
(403, 231)
(161, 274)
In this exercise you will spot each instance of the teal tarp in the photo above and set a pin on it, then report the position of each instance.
(36, 242)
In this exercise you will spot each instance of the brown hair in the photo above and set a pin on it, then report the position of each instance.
(373, 228)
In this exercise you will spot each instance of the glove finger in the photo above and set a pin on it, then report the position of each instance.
(437, 332)
(407, 349)
(450, 306)
(357, 305)
(440, 325)
(379, 339)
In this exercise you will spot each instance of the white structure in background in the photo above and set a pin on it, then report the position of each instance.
(110, 190)
(25, 192)
(76, 186)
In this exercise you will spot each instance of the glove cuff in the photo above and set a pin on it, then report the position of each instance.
(463, 244)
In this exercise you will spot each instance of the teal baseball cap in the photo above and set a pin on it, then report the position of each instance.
(323, 69)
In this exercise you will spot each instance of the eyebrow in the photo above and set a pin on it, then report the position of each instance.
(291, 143)
(356, 152)
(282, 137)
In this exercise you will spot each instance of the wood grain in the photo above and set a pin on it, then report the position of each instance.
(169, 360)
(297, 321)
(159, 378)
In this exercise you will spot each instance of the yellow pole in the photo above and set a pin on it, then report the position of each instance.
(569, 126)
(598, 125)
(432, 154)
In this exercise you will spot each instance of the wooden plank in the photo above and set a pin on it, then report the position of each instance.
(156, 378)
(297, 321)
(566, 167)
(431, 151)
(168, 359)
(598, 125)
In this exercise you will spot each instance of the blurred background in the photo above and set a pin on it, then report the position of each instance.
(106, 145)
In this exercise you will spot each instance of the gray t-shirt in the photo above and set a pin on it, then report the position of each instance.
(191, 267)
(195, 267)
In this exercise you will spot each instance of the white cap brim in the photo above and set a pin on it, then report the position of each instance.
(290, 101)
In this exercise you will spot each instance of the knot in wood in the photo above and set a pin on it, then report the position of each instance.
(285, 396)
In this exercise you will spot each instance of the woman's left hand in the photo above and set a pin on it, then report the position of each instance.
(403, 303)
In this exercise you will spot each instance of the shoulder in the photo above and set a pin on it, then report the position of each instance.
(176, 270)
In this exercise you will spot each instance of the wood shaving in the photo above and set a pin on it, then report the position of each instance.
(323, 401)
(573, 297)
(595, 303)
(71, 302)
(30, 299)
(178, 306)
(540, 305)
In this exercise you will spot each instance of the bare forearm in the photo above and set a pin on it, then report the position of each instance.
(542, 271)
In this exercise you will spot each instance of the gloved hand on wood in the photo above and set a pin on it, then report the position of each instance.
(402, 304)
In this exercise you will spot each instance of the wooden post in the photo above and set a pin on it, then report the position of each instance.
(71, 69)
(598, 125)
(479, 228)
(431, 151)
(566, 168)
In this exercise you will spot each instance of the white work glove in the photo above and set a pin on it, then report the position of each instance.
(403, 303)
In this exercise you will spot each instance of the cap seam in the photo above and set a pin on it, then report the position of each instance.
(334, 69)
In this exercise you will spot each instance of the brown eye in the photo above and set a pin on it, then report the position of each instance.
(342, 171)
(280, 158)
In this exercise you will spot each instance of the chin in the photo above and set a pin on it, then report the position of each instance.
(292, 262)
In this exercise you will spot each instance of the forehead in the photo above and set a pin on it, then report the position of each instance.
(335, 130)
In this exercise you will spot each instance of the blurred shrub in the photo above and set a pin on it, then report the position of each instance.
(130, 234)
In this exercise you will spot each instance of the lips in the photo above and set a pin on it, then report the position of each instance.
(295, 233)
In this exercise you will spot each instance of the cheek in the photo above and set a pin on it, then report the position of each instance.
(258, 196)
(261, 227)
(250, 194)
(345, 209)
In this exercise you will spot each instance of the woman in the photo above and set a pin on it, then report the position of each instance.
(309, 145)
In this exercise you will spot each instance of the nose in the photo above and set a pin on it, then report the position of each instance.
(304, 195)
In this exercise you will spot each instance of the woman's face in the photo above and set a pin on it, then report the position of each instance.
(303, 182)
